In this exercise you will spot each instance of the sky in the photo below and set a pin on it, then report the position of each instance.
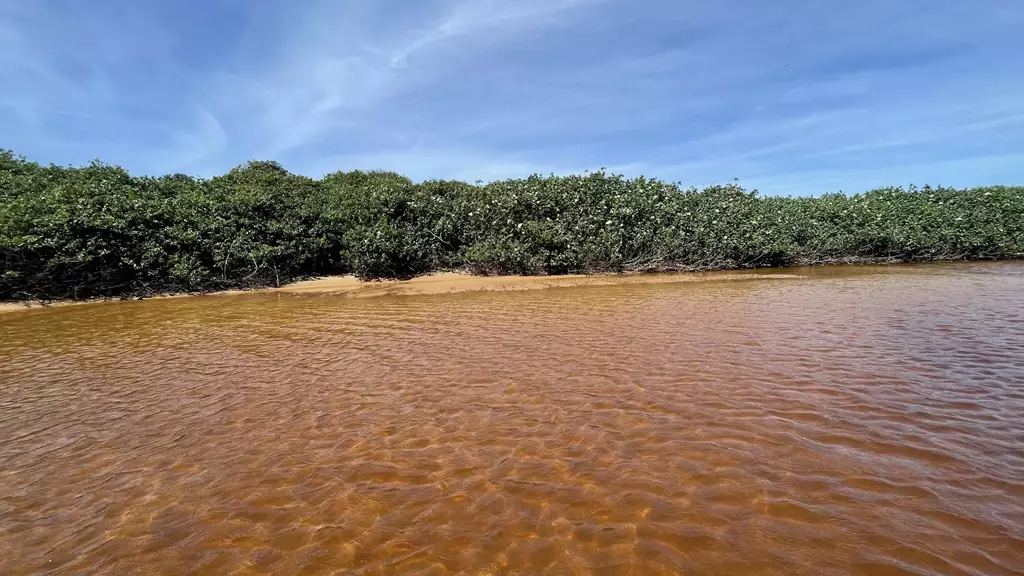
(788, 97)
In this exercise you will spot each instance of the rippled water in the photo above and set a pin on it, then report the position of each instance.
(858, 421)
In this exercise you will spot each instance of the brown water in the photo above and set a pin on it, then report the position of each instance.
(858, 421)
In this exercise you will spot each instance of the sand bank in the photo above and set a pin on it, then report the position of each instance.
(451, 282)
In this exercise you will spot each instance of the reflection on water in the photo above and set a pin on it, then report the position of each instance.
(861, 421)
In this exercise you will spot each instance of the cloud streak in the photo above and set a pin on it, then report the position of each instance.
(789, 97)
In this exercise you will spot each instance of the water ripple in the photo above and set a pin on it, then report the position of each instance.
(859, 421)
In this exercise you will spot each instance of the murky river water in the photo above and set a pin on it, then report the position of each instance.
(859, 421)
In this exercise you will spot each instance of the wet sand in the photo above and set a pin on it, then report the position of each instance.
(452, 282)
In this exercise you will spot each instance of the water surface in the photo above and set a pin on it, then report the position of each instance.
(857, 421)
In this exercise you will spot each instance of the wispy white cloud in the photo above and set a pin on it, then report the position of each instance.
(81, 83)
(191, 146)
(333, 70)
(786, 96)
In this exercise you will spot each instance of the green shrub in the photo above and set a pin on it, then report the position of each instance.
(97, 231)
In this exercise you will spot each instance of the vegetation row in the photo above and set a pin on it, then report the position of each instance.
(98, 231)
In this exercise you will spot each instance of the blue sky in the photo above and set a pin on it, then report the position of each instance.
(790, 97)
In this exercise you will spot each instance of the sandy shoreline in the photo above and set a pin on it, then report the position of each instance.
(450, 282)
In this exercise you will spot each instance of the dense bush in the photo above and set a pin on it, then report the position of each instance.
(97, 231)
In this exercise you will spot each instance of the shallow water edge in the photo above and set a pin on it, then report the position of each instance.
(444, 283)
(454, 282)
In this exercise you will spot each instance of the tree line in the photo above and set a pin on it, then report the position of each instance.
(98, 231)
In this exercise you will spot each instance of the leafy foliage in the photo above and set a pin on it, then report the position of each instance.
(97, 231)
